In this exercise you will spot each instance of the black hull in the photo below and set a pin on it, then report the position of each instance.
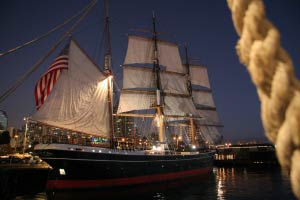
(81, 168)
(144, 191)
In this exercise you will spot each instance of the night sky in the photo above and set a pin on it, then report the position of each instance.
(205, 25)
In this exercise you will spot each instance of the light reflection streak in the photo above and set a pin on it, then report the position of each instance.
(223, 176)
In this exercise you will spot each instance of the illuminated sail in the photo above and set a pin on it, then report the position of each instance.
(78, 100)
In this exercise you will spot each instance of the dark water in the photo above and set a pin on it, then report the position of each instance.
(222, 184)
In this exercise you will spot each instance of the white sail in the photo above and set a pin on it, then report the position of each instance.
(208, 124)
(182, 106)
(78, 100)
(199, 76)
(140, 50)
(173, 105)
(174, 83)
(210, 134)
(139, 77)
(139, 85)
(131, 101)
(203, 98)
(209, 117)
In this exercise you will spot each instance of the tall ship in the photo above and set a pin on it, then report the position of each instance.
(168, 103)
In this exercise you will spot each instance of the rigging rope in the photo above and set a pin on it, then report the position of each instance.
(272, 72)
(9, 91)
(45, 34)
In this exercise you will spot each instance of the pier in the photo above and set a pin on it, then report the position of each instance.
(245, 155)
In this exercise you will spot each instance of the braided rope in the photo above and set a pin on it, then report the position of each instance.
(272, 72)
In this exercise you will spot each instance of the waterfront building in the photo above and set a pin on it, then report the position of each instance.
(3, 121)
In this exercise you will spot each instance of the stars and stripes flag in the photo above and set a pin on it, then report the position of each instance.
(48, 79)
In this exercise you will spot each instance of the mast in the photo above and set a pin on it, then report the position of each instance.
(107, 58)
(164, 91)
(187, 64)
(108, 72)
(161, 134)
(25, 135)
(189, 85)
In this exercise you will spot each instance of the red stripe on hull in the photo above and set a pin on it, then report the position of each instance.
(70, 184)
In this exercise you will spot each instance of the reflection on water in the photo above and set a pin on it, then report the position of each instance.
(222, 184)
(252, 183)
(39, 196)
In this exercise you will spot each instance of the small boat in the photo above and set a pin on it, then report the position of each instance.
(22, 174)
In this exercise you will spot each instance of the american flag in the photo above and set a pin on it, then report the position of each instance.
(48, 79)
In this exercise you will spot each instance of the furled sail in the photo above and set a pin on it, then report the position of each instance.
(209, 123)
(78, 101)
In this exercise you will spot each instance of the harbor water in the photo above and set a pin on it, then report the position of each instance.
(224, 183)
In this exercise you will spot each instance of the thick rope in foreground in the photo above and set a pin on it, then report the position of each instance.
(271, 70)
